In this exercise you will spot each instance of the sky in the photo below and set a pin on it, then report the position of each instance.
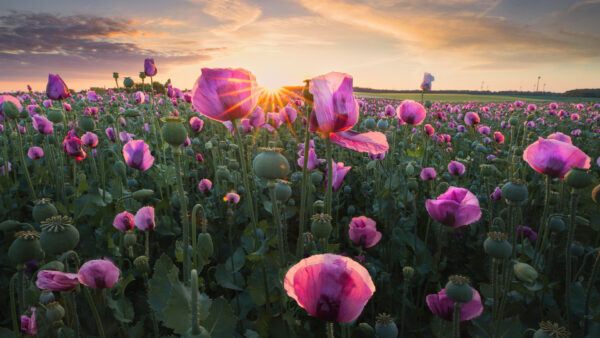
(386, 44)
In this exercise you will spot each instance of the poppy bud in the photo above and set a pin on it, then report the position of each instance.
(410, 170)
(87, 123)
(271, 164)
(321, 226)
(458, 289)
(525, 272)
(10, 109)
(54, 312)
(142, 194)
(141, 264)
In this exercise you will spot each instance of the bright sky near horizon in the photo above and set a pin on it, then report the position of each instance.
(465, 44)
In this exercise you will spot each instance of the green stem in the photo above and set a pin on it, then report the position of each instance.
(330, 330)
(21, 286)
(304, 193)
(183, 213)
(456, 320)
(539, 245)
(494, 279)
(248, 193)
(194, 284)
(198, 207)
(90, 300)
(147, 244)
(403, 308)
(277, 222)
(13, 305)
(328, 195)
(588, 293)
(23, 163)
(568, 276)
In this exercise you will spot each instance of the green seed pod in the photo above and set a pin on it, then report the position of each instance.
(497, 246)
(141, 265)
(385, 326)
(25, 247)
(321, 226)
(370, 123)
(58, 235)
(202, 333)
(513, 121)
(271, 164)
(43, 210)
(142, 194)
(442, 187)
(412, 184)
(119, 169)
(557, 224)
(596, 194)
(383, 124)
(458, 289)
(128, 82)
(234, 164)
(10, 109)
(283, 191)
(131, 113)
(578, 178)
(54, 312)
(408, 272)
(109, 119)
(488, 170)
(53, 265)
(548, 330)
(316, 177)
(351, 210)
(525, 272)
(174, 131)
(515, 191)
(46, 297)
(319, 206)
(577, 249)
(222, 173)
(205, 245)
(129, 239)
(410, 170)
(363, 330)
(87, 123)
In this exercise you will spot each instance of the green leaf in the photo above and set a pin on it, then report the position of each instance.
(239, 259)
(159, 287)
(122, 309)
(178, 311)
(4, 332)
(228, 280)
(221, 322)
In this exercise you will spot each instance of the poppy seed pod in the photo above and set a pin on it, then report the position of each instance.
(283, 191)
(129, 239)
(458, 289)
(141, 264)
(497, 246)
(408, 272)
(46, 297)
(525, 272)
(205, 245)
(87, 123)
(58, 235)
(321, 226)
(43, 210)
(515, 191)
(128, 82)
(383, 124)
(363, 330)
(25, 247)
(548, 330)
(370, 123)
(578, 178)
(119, 169)
(271, 164)
(174, 131)
(385, 326)
(316, 177)
(54, 312)
(557, 224)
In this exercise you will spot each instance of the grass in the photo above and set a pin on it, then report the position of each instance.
(472, 97)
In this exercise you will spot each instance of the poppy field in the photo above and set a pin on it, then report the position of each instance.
(231, 210)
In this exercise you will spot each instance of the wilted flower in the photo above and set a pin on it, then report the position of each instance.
(144, 219)
(443, 307)
(28, 324)
(98, 274)
(426, 84)
(137, 155)
(455, 208)
(330, 287)
(363, 231)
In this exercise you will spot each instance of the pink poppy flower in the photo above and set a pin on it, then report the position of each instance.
(555, 158)
(429, 130)
(42, 125)
(73, 146)
(56, 280)
(288, 114)
(496, 195)
(527, 233)
(196, 124)
(390, 111)
(232, 198)
(144, 219)
(110, 133)
(205, 185)
(225, 94)
(28, 323)
(412, 112)
(456, 168)
(363, 231)
(140, 97)
(498, 137)
(330, 287)
(455, 208)
(99, 274)
(428, 174)
(443, 307)
(35, 153)
(124, 221)
(560, 137)
(472, 118)
(336, 111)
(426, 84)
(149, 67)
(137, 155)
(90, 139)
(56, 89)
(339, 172)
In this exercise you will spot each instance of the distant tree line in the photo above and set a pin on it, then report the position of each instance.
(572, 93)
(583, 92)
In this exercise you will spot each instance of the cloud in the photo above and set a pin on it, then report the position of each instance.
(234, 13)
(32, 44)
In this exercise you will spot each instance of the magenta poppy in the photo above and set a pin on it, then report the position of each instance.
(496, 194)
(73, 146)
(412, 112)
(472, 118)
(137, 155)
(336, 111)
(330, 287)
(390, 111)
(456, 168)
(91, 96)
(205, 185)
(555, 158)
(56, 89)
(363, 231)
(426, 84)
(455, 208)
(42, 125)
(98, 274)
(225, 94)
(288, 114)
(56, 280)
(527, 233)
(149, 67)
(196, 124)
(35, 153)
(144, 219)
(428, 174)
(429, 130)
(498, 137)
(339, 172)
(232, 197)
(90, 139)
(560, 137)
(443, 307)
(28, 323)
(110, 133)
(124, 221)
(140, 97)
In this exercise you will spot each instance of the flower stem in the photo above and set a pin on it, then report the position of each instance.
(198, 207)
(568, 276)
(13, 305)
(277, 221)
(328, 195)
(539, 245)
(456, 320)
(304, 193)
(194, 284)
(23, 163)
(88, 296)
(403, 308)
(588, 293)
(330, 330)
(183, 213)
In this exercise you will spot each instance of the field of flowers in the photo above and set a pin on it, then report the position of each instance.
(235, 211)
